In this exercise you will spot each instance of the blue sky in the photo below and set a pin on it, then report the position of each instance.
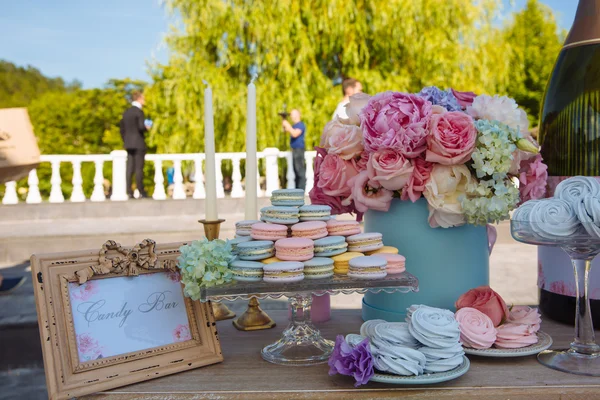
(95, 40)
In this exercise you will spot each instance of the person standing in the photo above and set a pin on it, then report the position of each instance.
(350, 86)
(297, 131)
(133, 128)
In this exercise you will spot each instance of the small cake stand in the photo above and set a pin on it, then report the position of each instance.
(583, 356)
(301, 343)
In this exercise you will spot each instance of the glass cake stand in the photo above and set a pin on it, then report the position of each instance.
(583, 356)
(301, 344)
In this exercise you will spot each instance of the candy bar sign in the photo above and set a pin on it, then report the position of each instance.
(128, 314)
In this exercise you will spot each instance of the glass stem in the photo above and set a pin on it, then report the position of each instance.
(584, 342)
(300, 306)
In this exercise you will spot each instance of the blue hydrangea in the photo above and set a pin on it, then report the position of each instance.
(439, 97)
(494, 148)
(489, 201)
(204, 263)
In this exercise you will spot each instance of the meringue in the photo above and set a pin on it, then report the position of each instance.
(514, 336)
(554, 218)
(574, 189)
(476, 329)
(434, 327)
(588, 212)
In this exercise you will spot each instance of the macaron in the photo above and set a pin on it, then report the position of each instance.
(330, 246)
(310, 229)
(342, 228)
(270, 260)
(294, 249)
(367, 267)
(244, 228)
(340, 262)
(365, 242)
(284, 272)
(314, 212)
(383, 250)
(279, 215)
(246, 271)
(236, 241)
(318, 268)
(255, 250)
(264, 231)
(287, 197)
(396, 263)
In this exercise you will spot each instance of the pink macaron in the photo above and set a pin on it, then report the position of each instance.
(311, 230)
(396, 263)
(342, 228)
(264, 231)
(294, 249)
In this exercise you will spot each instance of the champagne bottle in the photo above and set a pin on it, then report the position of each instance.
(570, 137)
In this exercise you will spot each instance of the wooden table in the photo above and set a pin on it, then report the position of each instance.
(245, 375)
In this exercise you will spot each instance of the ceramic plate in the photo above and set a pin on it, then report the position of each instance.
(424, 379)
(544, 343)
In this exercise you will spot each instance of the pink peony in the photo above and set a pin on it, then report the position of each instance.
(334, 174)
(390, 169)
(343, 140)
(485, 300)
(86, 343)
(476, 329)
(525, 315)
(464, 98)
(182, 333)
(532, 178)
(420, 176)
(397, 121)
(368, 195)
(452, 138)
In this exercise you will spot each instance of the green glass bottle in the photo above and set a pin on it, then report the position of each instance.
(570, 137)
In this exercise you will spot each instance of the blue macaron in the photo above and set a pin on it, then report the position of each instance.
(287, 197)
(255, 250)
(246, 271)
(313, 212)
(318, 268)
(279, 215)
(234, 242)
(330, 246)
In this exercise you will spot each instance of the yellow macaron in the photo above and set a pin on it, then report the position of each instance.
(383, 250)
(340, 262)
(270, 260)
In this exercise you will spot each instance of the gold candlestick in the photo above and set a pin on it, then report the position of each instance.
(254, 318)
(211, 231)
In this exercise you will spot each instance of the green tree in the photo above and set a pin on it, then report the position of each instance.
(535, 41)
(299, 49)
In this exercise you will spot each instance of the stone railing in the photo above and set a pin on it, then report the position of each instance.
(118, 158)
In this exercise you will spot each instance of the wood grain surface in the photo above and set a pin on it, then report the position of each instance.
(245, 375)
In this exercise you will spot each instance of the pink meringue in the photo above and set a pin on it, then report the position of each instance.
(476, 329)
(514, 336)
(526, 316)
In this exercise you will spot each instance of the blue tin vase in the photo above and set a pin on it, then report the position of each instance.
(447, 262)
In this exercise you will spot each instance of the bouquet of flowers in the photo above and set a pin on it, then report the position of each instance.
(460, 151)
(204, 263)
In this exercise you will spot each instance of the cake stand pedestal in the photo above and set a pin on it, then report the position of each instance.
(301, 343)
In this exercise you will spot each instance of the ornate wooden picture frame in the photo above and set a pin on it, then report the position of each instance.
(68, 373)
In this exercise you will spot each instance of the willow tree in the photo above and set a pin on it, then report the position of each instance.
(301, 49)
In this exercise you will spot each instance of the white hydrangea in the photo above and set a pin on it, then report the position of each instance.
(499, 108)
(490, 201)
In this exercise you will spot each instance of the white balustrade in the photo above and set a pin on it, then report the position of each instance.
(178, 189)
(98, 193)
(77, 195)
(237, 189)
(159, 182)
(56, 194)
(33, 194)
(199, 190)
(309, 157)
(290, 175)
(220, 189)
(271, 169)
(10, 193)
(119, 180)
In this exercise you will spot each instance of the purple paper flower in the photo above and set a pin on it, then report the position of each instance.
(356, 362)
(439, 97)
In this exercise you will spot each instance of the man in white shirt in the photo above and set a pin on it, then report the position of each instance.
(350, 86)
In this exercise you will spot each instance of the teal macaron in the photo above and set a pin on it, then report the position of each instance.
(287, 197)
(255, 250)
(313, 212)
(279, 215)
(234, 242)
(318, 268)
(330, 246)
(246, 271)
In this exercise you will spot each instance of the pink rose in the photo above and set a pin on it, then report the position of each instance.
(532, 179)
(476, 329)
(464, 98)
(316, 194)
(416, 184)
(514, 336)
(443, 191)
(369, 195)
(360, 163)
(452, 138)
(390, 169)
(525, 315)
(357, 102)
(334, 174)
(397, 121)
(343, 140)
(485, 300)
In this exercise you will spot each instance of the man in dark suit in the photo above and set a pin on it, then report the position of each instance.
(133, 128)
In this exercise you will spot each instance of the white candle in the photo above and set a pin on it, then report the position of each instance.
(251, 160)
(209, 151)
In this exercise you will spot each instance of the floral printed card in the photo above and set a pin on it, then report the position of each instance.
(127, 314)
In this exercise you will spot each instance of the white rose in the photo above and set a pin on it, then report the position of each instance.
(499, 108)
(446, 185)
(357, 102)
